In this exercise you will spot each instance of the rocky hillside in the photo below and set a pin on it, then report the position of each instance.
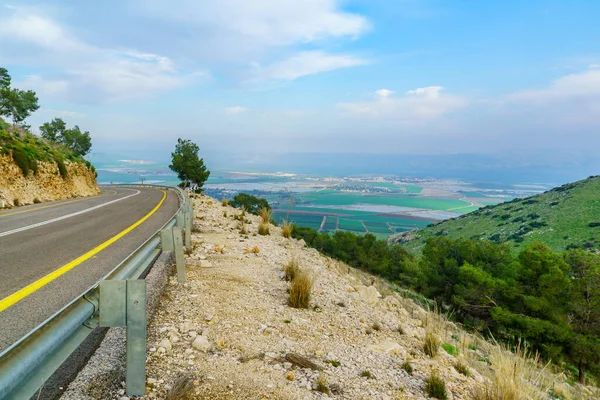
(230, 333)
(32, 170)
(564, 217)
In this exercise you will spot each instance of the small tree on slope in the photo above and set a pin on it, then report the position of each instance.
(189, 167)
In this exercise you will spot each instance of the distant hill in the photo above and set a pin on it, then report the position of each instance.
(564, 217)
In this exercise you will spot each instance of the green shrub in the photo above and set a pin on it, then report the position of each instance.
(249, 202)
(62, 169)
(453, 351)
(20, 158)
(436, 387)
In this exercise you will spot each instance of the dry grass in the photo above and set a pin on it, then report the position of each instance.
(224, 202)
(436, 387)
(367, 374)
(407, 366)
(462, 367)
(431, 344)
(17, 202)
(434, 330)
(300, 290)
(36, 201)
(291, 270)
(286, 229)
(322, 385)
(263, 228)
(513, 376)
(265, 215)
(242, 228)
(183, 389)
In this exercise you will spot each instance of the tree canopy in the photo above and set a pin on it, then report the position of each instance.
(77, 141)
(250, 203)
(187, 164)
(15, 103)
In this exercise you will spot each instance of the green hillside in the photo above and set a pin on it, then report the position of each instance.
(564, 217)
(27, 149)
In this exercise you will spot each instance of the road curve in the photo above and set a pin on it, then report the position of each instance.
(40, 243)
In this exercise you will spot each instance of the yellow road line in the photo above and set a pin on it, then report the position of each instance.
(29, 289)
(54, 205)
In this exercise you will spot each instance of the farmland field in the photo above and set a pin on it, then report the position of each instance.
(379, 205)
(343, 199)
(351, 225)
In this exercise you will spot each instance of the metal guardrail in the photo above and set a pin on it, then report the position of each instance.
(28, 363)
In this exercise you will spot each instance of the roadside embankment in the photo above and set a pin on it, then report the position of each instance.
(48, 183)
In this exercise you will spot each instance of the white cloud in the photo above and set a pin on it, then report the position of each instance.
(235, 110)
(580, 85)
(429, 91)
(416, 106)
(307, 63)
(62, 113)
(248, 41)
(87, 73)
(39, 31)
(261, 23)
(570, 100)
(266, 39)
(384, 93)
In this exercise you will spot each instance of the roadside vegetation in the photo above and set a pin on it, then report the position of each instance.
(56, 144)
(549, 299)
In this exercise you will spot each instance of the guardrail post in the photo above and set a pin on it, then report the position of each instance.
(179, 257)
(166, 239)
(188, 227)
(180, 220)
(123, 303)
(136, 338)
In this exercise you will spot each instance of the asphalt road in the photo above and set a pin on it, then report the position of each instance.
(37, 240)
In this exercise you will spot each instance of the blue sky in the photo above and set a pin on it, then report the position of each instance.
(277, 76)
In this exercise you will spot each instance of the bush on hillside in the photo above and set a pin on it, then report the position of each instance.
(250, 203)
(20, 158)
(62, 169)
